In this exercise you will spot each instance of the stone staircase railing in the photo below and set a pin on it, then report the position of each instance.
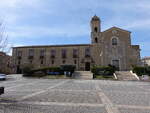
(125, 75)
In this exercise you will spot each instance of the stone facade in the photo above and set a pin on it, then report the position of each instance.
(145, 61)
(5, 63)
(112, 46)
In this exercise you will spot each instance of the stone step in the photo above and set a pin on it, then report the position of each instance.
(83, 75)
(86, 72)
(125, 75)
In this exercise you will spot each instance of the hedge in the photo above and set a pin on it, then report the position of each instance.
(141, 70)
(46, 70)
(68, 68)
(29, 71)
(101, 70)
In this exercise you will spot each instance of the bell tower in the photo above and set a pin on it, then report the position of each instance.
(95, 29)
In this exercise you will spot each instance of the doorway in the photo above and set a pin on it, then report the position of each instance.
(116, 64)
(18, 70)
(87, 66)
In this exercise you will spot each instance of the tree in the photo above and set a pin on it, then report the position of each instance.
(4, 46)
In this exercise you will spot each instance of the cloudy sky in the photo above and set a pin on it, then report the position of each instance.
(44, 22)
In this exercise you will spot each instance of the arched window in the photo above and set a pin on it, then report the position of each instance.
(114, 41)
(95, 29)
(96, 40)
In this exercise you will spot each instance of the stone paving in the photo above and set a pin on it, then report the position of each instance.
(24, 95)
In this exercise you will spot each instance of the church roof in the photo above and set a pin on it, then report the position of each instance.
(116, 28)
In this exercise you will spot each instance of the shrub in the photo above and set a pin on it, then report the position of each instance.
(42, 71)
(148, 70)
(68, 68)
(101, 70)
(27, 69)
(49, 70)
(141, 70)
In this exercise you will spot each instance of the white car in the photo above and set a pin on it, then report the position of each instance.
(2, 77)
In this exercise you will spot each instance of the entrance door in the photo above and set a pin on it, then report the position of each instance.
(18, 70)
(87, 66)
(116, 64)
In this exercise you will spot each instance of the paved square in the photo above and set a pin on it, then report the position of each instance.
(24, 95)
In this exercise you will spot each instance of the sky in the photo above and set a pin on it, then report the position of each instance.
(51, 22)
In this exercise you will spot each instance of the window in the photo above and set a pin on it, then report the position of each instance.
(114, 41)
(53, 62)
(42, 52)
(87, 52)
(96, 40)
(19, 62)
(53, 53)
(31, 61)
(116, 64)
(64, 53)
(19, 54)
(95, 29)
(75, 53)
(31, 52)
(75, 61)
(41, 61)
(64, 61)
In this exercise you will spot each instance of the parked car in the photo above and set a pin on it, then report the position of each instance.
(2, 76)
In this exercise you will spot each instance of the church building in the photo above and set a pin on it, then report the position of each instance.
(112, 46)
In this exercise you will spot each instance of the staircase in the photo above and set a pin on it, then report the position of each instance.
(125, 75)
(83, 75)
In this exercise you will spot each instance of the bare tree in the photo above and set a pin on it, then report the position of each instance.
(4, 46)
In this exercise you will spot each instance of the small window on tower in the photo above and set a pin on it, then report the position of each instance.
(96, 40)
(95, 29)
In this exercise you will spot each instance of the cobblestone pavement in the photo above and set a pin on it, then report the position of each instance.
(24, 95)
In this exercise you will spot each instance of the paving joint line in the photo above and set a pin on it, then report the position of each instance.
(62, 104)
(110, 108)
(146, 92)
(73, 90)
(20, 85)
(40, 92)
(133, 107)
